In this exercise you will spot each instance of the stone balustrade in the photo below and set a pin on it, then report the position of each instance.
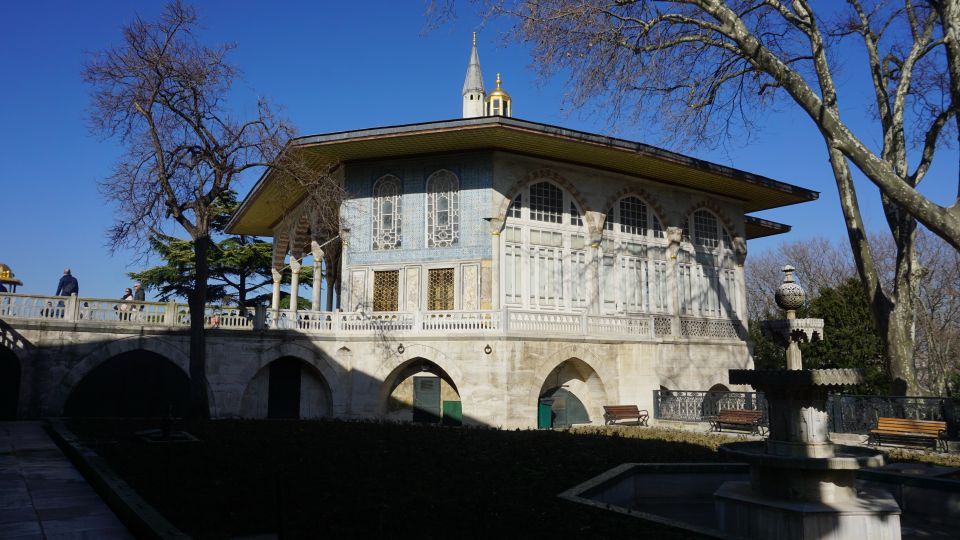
(508, 321)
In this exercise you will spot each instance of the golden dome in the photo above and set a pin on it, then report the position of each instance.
(498, 92)
(6, 275)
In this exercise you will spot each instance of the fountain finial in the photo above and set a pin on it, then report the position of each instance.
(790, 296)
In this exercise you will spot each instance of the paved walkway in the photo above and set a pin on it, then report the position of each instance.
(42, 496)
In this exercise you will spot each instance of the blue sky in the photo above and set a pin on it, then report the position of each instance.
(332, 66)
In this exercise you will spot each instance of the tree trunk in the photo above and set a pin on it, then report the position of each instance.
(242, 290)
(896, 330)
(199, 400)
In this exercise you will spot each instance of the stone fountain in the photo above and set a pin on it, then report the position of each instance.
(801, 485)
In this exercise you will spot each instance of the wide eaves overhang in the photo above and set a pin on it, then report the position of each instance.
(271, 198)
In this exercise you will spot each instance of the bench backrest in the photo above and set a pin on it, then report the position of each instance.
(926, 427)
(621, 409)
(739, 414)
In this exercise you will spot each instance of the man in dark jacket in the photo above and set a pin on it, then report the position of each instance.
(68, 284)
(138, 294)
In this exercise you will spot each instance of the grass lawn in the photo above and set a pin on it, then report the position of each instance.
(361, 479)
(346, 479)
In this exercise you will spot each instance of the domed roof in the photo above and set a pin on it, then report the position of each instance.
(498, 92)
(6, 275)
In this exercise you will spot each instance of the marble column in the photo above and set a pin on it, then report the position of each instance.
(674, 237)
(496, 225)
(595, 300)
(294, 282)
(277, 278)
(344, 298)
(317, 274)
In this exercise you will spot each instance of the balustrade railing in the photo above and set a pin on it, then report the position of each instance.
(699, 406)
(506, 321)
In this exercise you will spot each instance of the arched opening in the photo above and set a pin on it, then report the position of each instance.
(289, 388)
(572, 393)
(9, 384)
(421, 391)
(135, 384)
(715, 400)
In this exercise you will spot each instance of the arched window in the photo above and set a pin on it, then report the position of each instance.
(706, 230)
(544, 246)
(443, 209)
(546, 203)
(386, 213)
(631, 216)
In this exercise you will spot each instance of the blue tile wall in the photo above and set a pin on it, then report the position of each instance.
(475, 172)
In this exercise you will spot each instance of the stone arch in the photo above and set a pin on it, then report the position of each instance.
(712, 207)
(287, 387)
(569, 365)
(719, 387)
(551, 176)
(652, 202)
(412, 365)
(164, 347)
(329, 371)
(135, 383)
(11, 375)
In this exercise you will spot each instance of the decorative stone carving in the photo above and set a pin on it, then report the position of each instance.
(790, 295)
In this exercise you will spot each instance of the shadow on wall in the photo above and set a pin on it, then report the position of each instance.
(133, 384)
(308, 384)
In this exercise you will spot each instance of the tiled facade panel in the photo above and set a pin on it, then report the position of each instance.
(474, 171)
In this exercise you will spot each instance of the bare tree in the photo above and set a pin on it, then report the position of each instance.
(164, 95)
(823, 263)
(705, 67)
(820, 263)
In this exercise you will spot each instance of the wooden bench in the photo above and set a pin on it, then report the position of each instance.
(743, 419)
(911, 432)
(612, 413)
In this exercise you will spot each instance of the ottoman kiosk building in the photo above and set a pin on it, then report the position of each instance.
(513, 273)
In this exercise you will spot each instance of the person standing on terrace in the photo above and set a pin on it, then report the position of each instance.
(68, 284)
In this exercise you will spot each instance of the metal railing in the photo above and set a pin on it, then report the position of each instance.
(859, 414)
(509, 320)
(847, 413)
(699, 406)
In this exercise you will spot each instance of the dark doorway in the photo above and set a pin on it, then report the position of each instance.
(135, 384)
(565, 409)
(283, 397)
(426, 399)
(9, 384)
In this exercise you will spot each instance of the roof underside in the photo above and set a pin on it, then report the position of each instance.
(271, 198)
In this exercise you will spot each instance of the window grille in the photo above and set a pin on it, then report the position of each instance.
(575, 217)
(725, 238)
(386, 291)
(705, 229)
(515, 208)
(608, 222)
(546, 203)
(386, 213)
(686, 229)
(633, 216)
(443, 209)
(440, 289)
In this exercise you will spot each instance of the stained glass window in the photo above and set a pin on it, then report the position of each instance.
(443, 209)
(386, 213)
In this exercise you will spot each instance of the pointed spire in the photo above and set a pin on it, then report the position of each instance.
(474, 79)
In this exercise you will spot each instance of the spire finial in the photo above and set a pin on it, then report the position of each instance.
(474, 39)
(498, 80)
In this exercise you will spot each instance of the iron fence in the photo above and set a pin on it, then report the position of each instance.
(699, 406)
(847, 413)
(859, 414)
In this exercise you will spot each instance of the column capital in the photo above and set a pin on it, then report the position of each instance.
(295, 265)
(277, 275)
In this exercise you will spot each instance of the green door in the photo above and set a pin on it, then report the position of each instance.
(452, 413)
(545, 413)
(426, 399)
(566, 408)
